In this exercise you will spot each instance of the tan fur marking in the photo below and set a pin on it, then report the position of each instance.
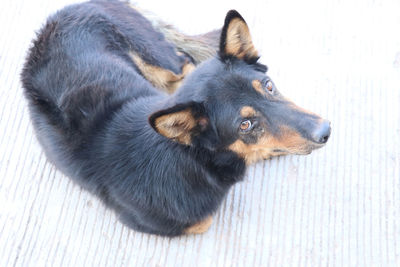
(238, 40)
(248, 112)
(200, 227)
(258, 87)
(161, 78)
(186, 69)
(290, 142)
(176, 126)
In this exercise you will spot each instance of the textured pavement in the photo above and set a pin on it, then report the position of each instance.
(339, 206)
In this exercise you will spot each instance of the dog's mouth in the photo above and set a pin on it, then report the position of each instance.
(310, 148)
(280, 151)
(304, 150)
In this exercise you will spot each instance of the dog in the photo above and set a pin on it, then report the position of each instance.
(158, 133)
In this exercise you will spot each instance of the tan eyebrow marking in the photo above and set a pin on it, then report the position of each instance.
(247, 112)
(258, 87)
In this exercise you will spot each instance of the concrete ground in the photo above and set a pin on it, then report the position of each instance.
(339, 206)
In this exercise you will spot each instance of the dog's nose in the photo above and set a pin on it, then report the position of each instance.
(322, 133)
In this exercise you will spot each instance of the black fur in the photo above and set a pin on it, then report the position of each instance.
(94, 113)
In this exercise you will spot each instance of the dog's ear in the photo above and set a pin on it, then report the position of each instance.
(180, 122)
(235, 39)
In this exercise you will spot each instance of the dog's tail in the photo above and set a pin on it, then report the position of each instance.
(198, 47)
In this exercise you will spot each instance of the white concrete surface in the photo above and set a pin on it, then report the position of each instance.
(339, 206)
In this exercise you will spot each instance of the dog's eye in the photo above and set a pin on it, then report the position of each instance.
(269, 86)
(246, 125)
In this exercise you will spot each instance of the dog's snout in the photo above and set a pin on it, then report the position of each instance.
(322, 132)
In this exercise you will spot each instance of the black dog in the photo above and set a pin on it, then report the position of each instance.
(94, 79)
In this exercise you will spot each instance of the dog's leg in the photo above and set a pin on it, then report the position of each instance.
(199, 227)
(198, 47)
(187, 51)
(161, 78)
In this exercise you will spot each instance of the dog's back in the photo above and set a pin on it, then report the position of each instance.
(82, 69)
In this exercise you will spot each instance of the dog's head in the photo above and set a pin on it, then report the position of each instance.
(229, 103)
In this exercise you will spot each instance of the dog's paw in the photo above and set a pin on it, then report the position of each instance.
(199, 227)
